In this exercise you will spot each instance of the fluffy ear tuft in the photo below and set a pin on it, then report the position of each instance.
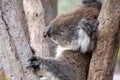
(88, 35)
(94, 3)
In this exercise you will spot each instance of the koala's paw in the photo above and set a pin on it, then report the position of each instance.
(34, 62)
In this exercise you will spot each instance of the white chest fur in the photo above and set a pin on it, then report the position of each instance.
(82, 42)
(59, 51)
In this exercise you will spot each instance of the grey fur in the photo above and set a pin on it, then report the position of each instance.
(93, 3)
(76, 33)
(91, 28)
(63, 67)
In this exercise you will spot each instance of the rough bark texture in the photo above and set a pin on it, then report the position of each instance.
(104, 58)
(14, 48)
(23, 19)
(36, 26)
(50, 7)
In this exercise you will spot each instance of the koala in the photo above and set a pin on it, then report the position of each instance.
(76, 35)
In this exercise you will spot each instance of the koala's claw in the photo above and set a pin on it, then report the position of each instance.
(34, 63)
(33, 58)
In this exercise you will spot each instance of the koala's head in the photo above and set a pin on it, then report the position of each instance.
(76, 36)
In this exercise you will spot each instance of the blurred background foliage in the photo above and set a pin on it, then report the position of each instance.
(65, 6)
(119, 54)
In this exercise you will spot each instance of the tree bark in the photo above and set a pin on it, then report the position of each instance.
(36, 25)
(104, 57)
(14, 48)
(23, 20)
(50, 8)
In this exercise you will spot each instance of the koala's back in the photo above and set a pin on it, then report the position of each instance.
(62, 70)
(71, 19)
(78, 61)
(66, 74)
(71, 65)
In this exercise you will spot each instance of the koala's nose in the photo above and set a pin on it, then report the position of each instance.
(48, 31)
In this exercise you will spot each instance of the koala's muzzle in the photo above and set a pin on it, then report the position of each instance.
(48, 31)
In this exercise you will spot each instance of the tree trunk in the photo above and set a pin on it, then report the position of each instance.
(36, 26)
(104, 57)
(50, 7)
(14, 48)
(23, 19)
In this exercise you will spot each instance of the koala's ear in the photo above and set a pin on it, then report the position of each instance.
(84, 23)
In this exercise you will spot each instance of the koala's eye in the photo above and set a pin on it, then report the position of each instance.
(90, 27)
(86, 24)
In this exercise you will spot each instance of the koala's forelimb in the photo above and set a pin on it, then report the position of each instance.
(52, 67)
